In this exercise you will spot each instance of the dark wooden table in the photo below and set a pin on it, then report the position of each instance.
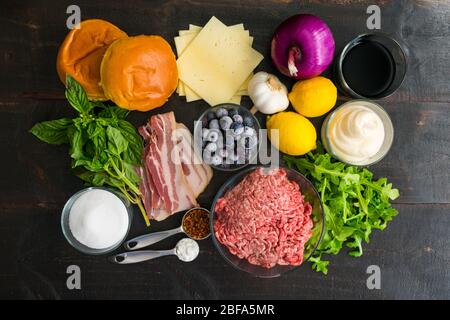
(413, 252)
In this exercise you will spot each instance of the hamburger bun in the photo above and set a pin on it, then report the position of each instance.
(139, 73)
(82, 51)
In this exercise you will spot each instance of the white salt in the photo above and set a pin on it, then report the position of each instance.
(187, 249)
(98, 219)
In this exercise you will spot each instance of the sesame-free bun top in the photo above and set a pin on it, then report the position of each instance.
(139, 73)
(81, 54)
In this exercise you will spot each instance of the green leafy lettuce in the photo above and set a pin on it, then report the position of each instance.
(104, 147)
(354, 204)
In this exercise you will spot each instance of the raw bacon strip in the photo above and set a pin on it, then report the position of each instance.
(197, 173)
(165, 166)
(152, 201)
(173, 174)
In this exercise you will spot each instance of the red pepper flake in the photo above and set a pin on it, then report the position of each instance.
(196, 223)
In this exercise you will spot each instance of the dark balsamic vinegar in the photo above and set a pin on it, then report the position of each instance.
(368, 68)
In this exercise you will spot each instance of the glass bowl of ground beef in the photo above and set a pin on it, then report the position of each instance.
(267, 221)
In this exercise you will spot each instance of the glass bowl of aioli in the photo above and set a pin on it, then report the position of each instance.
(91, 223)
(359, 133)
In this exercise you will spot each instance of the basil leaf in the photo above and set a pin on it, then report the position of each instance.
(135, 143)
(76, 96)
(76, 143)
(114, 112)
(130, 173)
(99, 139)
(92, 178)
(52, 132)
(81, 163)
(120, 113)
(105, 148)
(117, 144)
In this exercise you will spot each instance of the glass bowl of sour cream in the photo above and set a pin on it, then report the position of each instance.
(359, 132)
(96, 220)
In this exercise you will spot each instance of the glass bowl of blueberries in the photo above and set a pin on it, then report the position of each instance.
(228, 137)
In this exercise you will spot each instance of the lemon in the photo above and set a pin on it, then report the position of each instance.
(296, 134)
(313, 97)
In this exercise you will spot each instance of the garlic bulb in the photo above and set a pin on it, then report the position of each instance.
(268, 94)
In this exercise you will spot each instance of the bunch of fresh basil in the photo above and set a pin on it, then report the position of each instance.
(104, 147)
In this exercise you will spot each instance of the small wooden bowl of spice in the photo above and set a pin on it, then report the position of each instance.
(196, 223)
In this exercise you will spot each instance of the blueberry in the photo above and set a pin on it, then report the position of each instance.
(225, 122)
(248, 121)
(237, 128)
(210, 115)
(222, 153)
(211, 147)
(229, 139)
(248, 142)
(205, 132)
(232, 156)
(216, 160)
(249, 131)
(233, 112)
(207, 156)
(213, 135)
(221, 112)
(214, 124)
(241, 156)
(237, 118)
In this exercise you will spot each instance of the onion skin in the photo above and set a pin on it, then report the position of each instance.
(306, 42)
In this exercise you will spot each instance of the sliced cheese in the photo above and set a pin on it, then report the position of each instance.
(181, 89)
(238, 34)
(187, 32)
(218, 56)
(193, 27)
(181, 43)
(188, 92)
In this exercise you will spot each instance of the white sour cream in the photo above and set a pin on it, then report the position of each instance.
(355, 133)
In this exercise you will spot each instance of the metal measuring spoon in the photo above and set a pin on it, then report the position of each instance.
(154, 237)
(144, 255)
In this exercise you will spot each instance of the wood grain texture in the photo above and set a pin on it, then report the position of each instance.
(409, 252)
(422, 27)
(36, 180)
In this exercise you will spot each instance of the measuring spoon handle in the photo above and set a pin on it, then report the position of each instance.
(149, 239)
(139, 256)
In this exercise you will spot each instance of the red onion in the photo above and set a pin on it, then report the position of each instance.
(302, 47)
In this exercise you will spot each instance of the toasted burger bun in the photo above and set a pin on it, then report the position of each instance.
(139, 73)
(81, 54)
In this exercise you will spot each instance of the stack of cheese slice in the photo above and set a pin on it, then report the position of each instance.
(215, 62)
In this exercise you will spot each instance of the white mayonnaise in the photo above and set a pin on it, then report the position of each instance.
(355, 133)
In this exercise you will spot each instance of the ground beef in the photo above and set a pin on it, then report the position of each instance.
(264, 219)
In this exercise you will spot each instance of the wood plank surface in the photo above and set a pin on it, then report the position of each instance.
(413, 252)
